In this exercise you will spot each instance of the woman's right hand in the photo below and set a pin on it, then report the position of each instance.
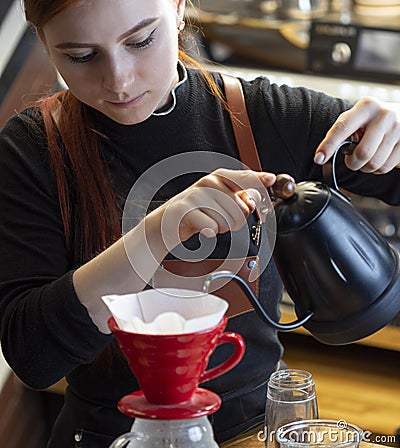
(216, 203)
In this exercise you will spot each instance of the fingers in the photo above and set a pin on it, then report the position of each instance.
(202, 210)
(217, 203)
(347, 124)
(237, 180)
(378, 150)
(236, 194)
(251, 197)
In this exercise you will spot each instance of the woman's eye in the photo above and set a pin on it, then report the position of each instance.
(81, 59)
(144, 43)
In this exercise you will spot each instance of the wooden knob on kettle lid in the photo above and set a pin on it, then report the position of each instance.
(284, 186)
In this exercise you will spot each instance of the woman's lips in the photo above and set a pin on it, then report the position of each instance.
(129, 103)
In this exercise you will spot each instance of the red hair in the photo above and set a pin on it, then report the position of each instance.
(80, 175)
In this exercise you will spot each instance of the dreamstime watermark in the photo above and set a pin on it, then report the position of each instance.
(320, 432)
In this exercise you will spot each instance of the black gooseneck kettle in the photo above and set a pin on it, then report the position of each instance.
(341, 273)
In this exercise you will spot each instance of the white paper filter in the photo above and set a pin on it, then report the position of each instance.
(166, 311)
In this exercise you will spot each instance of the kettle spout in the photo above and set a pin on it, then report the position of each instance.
(254, 301)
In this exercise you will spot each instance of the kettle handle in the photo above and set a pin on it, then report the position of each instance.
(254, 301)
(347, 148)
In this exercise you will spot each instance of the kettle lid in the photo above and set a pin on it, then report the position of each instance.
(306, 203)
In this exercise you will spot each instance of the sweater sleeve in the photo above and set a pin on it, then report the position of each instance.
(45, 331)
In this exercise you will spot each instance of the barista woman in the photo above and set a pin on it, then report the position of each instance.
(68, 163)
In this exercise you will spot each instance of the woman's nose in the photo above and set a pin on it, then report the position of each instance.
(118, 75)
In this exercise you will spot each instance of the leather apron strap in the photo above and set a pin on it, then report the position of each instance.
(240, 121)
(187, 271)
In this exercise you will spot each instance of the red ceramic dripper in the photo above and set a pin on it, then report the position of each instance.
(170, 367)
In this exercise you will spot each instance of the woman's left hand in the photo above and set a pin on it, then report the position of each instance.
(378, 125)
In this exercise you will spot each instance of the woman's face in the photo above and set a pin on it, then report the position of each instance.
(118, 56)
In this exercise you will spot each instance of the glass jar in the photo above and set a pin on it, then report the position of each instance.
(291, 396)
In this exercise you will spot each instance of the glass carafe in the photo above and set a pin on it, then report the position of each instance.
(186, 433)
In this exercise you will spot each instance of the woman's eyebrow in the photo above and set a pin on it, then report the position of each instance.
(138, 27)
(134, 29)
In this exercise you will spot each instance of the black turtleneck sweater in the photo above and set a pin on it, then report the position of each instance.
(46, 333)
